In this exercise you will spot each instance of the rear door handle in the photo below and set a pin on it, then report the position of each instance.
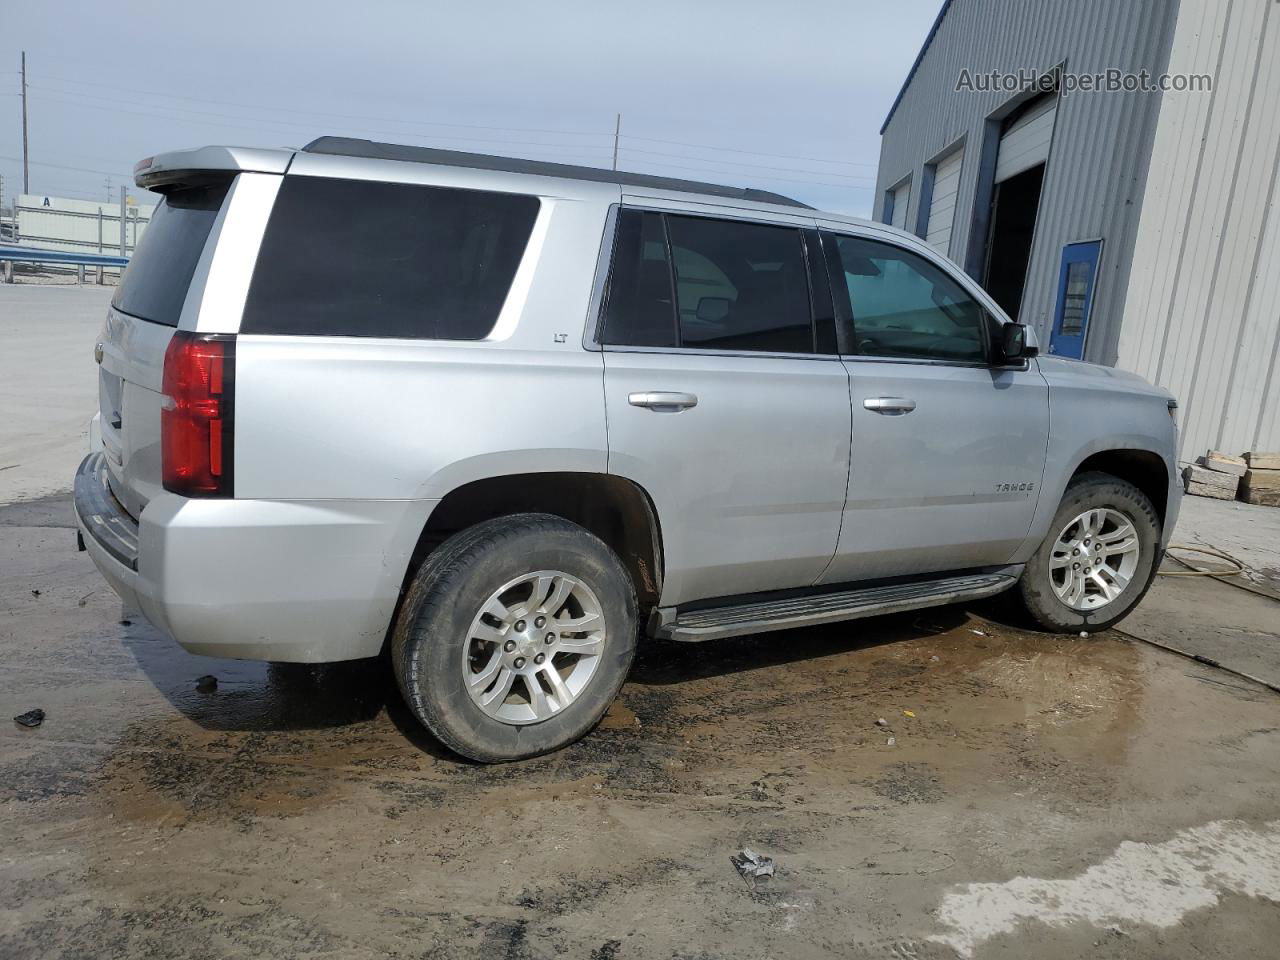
(889, 406)
(663, 402)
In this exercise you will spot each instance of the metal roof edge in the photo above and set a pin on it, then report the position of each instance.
(937, 22)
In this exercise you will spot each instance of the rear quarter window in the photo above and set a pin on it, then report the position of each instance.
(156, 281)
(353, 258)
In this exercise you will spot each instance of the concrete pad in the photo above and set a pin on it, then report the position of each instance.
(1051, 797)
(1245, 531)
(1193, 614)
(48, 383)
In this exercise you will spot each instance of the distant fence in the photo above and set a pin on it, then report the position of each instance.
(11, 255)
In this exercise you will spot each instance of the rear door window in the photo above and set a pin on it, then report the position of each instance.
(740, 286)
(156, 281)
(355, 258)
(905, 306)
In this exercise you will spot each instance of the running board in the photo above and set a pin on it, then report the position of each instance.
(763, 616)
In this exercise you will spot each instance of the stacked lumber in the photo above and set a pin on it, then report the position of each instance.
(1261, 481)
(1255, 477)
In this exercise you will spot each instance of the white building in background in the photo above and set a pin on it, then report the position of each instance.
(81, 226)
(1135, 229)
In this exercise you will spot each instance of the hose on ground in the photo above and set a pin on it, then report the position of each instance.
(1198, 571)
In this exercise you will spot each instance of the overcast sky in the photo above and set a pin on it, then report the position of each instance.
(787, 96)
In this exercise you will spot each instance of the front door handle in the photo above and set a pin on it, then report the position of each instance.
(889, 406)
(663, 402)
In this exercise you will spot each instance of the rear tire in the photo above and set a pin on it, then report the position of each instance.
(515, 636)
(1098, 559)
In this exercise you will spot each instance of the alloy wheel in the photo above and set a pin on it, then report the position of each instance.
(1094, 558)
(533, 647)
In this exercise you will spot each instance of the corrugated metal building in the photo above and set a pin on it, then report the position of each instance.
(1129, 227)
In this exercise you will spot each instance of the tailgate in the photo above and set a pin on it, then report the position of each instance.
(143, 316)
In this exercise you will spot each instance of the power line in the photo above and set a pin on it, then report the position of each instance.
(780, 156)
(364, 118)
(753, 166)
(59, 166)
(732, 174)
(243, 122)
(339, 116)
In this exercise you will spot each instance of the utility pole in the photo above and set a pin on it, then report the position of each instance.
(123, 221)
(26, 179)
(617, 128)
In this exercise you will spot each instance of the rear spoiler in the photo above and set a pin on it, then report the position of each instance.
(178, 168)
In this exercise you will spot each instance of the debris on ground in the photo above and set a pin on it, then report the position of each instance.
(207, 684)
(1084, 634)
(908, 713)
(892, 741)
(126, 623)
(978, 632)
(35, 593)
(882, 722)
(32, 718)
(752, 865)
(935, 658)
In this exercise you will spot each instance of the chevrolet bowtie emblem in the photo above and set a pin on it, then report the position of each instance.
(97, 353)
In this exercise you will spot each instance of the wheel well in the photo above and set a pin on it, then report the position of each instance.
(1144, 469)
(615, 509)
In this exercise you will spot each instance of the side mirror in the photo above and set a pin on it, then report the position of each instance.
(1015, 343)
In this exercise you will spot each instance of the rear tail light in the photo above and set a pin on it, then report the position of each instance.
(197, 415)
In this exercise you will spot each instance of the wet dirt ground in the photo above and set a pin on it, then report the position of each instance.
(299, 812)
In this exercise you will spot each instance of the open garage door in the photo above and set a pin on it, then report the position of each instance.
(942, 205)
(1015, 200)
(1026, 143)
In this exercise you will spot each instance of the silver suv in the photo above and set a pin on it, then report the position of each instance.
(501, 418)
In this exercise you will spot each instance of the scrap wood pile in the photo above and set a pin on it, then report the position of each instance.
(1254, 478)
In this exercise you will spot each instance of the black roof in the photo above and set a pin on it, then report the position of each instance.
(351, 147)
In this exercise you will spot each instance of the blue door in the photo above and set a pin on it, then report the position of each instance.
(1075, 298)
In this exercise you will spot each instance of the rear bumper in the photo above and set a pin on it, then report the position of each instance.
(305, 581)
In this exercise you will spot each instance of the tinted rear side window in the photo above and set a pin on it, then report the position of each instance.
(353, 258)
(740, 286)
(156, 281)
(639, 311)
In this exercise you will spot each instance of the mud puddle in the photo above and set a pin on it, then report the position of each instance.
(694, 721)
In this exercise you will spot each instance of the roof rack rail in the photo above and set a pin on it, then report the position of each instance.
(352, 147)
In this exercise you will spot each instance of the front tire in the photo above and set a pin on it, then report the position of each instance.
(515, 636)
(1098, 559)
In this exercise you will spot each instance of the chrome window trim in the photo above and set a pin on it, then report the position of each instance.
(920, 361)
(702, 352)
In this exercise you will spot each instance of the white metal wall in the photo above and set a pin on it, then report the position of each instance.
(1202, 314)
